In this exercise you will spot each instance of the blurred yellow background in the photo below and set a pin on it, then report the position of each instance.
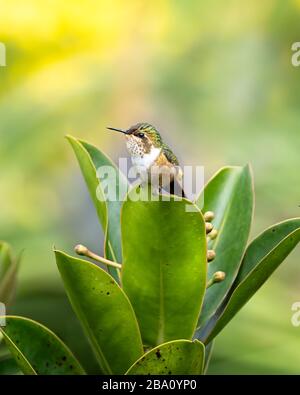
(215, 77)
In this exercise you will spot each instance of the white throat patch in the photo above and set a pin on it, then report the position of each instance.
(147, 160)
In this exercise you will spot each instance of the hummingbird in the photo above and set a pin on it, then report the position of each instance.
(152, 156)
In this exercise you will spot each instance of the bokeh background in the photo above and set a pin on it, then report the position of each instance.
(215, 77)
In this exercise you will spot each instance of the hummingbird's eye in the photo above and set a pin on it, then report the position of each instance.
(141, 135)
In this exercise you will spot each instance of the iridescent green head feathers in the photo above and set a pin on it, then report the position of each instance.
(143, 139)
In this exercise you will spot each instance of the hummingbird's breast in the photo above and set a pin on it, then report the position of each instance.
(141, 155)
(146, 159)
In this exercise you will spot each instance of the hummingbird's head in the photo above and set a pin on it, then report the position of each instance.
(141, 138)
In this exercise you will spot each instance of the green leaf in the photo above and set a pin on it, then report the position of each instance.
(229, 194)
(104, 311)
(262, 257)
(5, 258)
(90, 160)
(8, 366)
(8, 273)
(182, 357)
(208, 354)
(164, 266)
(36, 349)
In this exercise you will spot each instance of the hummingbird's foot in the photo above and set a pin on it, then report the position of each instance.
(216, 278)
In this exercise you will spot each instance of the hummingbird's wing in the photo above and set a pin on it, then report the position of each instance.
(170, 155)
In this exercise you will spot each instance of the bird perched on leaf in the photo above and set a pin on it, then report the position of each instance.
(156, 162)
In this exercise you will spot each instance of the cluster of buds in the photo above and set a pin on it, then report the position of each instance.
(211, 234)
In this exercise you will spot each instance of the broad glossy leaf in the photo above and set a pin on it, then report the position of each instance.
(104, 311)
(229, 194)
(90, 160)
(262, 257)
(37, 350)
(164, 266)
(181, 357)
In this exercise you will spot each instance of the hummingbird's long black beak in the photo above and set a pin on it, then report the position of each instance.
(118, 130)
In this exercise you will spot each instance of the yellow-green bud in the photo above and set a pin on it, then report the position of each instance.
(213, 234)
(211, 255)
(208, 227)
(209, 216)
(218, 277)
(81, 250)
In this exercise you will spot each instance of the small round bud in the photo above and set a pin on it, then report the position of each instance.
(208, 227)
(80, 249)
(211, 255)
(209, 216)
(213, 234)
(218, 277)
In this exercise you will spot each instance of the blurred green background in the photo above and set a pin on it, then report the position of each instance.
(215, 77)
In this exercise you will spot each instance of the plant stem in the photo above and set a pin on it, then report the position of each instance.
(82, 250)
